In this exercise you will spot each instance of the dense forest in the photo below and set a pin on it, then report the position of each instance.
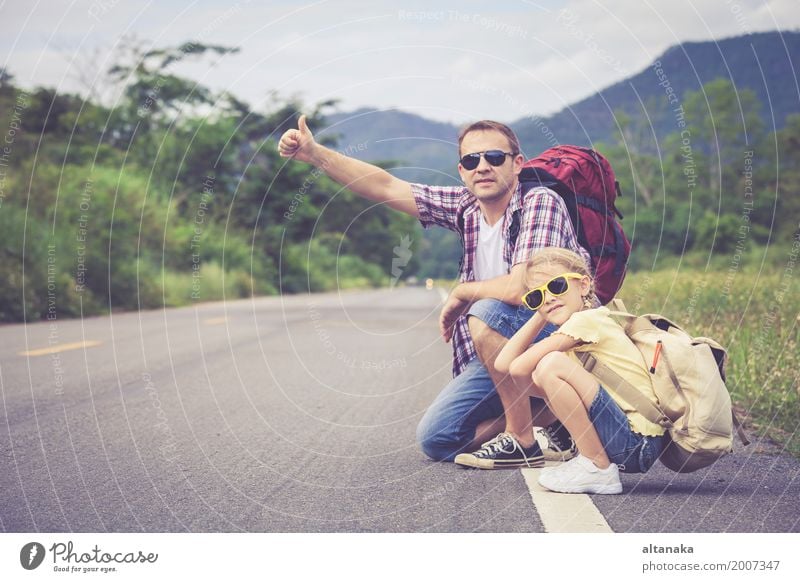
(167, 193)
(718, 184)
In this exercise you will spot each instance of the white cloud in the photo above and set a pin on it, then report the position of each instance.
(456, 60)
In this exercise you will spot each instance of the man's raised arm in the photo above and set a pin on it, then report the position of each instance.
(364, 179)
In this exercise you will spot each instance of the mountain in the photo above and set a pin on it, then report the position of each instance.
(762, 62)
(397, 136)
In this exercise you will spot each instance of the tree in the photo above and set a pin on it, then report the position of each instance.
(722, 123)
(786, 183)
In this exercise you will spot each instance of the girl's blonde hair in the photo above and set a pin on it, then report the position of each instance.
(571, 262)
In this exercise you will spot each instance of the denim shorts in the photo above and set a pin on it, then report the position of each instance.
(632, 452)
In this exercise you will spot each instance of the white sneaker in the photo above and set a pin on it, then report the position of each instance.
(580, 475)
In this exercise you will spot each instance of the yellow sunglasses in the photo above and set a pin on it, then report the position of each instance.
(556, 286)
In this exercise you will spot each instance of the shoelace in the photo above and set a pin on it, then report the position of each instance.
(498, 445)
(553, 441)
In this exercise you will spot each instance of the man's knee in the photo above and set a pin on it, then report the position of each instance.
(482, 316)
(486, 310)
(448, 426)
(438, 444)
(478, 329)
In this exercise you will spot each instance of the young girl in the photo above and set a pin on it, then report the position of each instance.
(609, 433)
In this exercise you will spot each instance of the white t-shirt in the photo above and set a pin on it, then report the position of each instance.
(489, 261)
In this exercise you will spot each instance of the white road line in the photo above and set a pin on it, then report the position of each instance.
(564, 512)
(442, 294)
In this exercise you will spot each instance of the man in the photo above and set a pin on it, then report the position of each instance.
(500, 227)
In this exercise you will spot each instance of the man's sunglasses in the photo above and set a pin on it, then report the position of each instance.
(556, 286)
(494, 157)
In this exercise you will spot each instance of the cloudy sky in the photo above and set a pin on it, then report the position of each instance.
(451, 61)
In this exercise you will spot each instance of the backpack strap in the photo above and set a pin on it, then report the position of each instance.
(513, 229)
(628, 391)
(617, 305)
(632, 323)
(739, 429)
(674, 379)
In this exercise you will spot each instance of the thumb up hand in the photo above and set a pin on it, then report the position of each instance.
(297, 143)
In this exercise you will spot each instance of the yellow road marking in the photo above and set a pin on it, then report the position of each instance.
(215, 320)
(60, 348)
(564, 512)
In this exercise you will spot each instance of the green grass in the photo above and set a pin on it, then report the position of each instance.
(752, 307)
(209, 283)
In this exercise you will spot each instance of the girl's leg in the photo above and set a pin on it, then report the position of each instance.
(521, 426)
(569, 391)
(522, 413)
(489, 338)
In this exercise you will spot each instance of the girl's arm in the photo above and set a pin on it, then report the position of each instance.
(526, 363)
(519, 343)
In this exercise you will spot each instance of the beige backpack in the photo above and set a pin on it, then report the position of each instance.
(688, 376)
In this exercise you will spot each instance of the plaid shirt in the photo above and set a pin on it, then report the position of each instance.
(542, 220)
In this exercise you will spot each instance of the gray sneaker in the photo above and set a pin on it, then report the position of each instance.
(555, 441)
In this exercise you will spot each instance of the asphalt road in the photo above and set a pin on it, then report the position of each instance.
(292, 414)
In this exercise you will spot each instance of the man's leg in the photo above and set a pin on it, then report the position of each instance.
(449, 425)
(488, 344)
(488, 329)
(468, 411)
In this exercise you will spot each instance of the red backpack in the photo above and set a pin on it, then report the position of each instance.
(586, 182)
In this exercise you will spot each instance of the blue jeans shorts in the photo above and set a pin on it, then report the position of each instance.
(448, 426)
(632, 452)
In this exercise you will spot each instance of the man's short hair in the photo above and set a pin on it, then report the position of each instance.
(488, 125)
